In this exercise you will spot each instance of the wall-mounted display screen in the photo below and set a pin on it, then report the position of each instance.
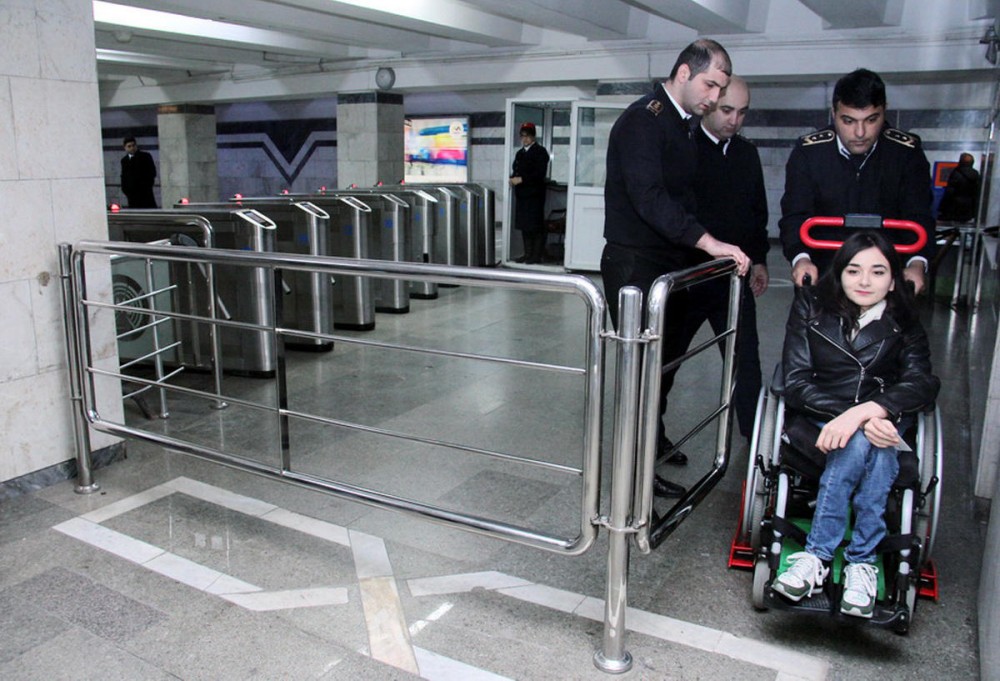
(437, 150)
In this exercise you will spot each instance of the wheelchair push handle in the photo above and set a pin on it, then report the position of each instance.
(861, 221)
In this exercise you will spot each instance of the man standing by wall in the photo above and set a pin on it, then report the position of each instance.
(732, 205)
(857, 165)
(649, 203)
(138, 173)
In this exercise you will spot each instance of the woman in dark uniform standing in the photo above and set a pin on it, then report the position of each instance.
(527, 177)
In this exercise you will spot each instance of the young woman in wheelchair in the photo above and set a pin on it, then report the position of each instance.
(857, 364)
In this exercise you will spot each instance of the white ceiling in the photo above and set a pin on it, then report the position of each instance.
(170, 51)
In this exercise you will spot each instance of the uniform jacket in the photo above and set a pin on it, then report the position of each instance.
(137, 178)
(649, 201)
(732, 201)
(961, 195)
(894, 182)
(825, 373)
(531, 165)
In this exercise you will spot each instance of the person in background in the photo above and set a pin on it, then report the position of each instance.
(961, 196)
(732, 205)
(856, 165)
(138, 173)
(856, 363)
(649, 201)
(530, 168)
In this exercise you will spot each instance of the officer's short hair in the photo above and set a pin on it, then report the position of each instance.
(701, 54)
(127, 140)
(859, 89)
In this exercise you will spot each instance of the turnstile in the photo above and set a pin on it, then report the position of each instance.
(486, 247)
(302, 227)
(410, 230)
(240, 294)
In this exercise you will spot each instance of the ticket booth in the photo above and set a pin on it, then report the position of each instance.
(575, 133)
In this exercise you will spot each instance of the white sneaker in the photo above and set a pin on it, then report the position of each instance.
(860, 587)
(804, 577)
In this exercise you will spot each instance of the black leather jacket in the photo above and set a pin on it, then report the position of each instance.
(825, 374)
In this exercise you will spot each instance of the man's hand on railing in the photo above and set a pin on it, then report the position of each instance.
(720, 249)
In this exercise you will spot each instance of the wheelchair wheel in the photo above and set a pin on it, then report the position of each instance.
(754, 494)
(925, 523)
(761, 575)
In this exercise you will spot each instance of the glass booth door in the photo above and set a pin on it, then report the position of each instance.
(590, 130)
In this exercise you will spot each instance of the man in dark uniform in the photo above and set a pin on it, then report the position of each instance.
(961, 196)
(138, 173)
(649, 202)
(857, 165)
(732, 205)
(527, 177)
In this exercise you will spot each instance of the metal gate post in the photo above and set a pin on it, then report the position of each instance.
(612, 657)
(81, 430)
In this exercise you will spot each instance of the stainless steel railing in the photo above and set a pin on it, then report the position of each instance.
(590, 371)
(639, 359)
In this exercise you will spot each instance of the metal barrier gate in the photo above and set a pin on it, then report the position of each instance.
(636, 399)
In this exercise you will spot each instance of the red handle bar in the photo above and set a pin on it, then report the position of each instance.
(826, 244)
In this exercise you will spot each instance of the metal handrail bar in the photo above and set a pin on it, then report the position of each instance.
(144, 296)
(354, 340)
(150, 355)
(442, 274)
(360, 427)
(548, 465)
(651, 530)
(194, 392)
(251, 326)
(137, 329)
(134, 393)
(277, 263)
(697, 350)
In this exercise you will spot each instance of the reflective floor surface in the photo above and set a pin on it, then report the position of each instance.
(183, 569)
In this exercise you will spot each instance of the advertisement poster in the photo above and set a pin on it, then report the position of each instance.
(437, 150)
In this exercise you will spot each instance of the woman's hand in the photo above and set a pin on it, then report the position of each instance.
(881, 432)
(836, 433)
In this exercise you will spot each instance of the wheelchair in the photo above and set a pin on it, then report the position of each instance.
(779, 492)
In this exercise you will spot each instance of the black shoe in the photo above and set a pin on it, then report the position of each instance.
(664, 488)
(670, 454)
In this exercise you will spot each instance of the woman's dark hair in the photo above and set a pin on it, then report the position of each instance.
(899, 302)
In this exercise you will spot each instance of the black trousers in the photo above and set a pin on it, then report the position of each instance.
(713, 306)
(621, 267)
(685, 314)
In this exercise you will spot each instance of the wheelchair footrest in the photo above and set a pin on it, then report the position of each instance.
(740, 555)
(928, 585)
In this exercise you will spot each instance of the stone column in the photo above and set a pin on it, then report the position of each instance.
(52, 191)
(369, 138)
(189, 165)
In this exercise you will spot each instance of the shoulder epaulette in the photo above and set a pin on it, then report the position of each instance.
(817, 137)
(907, 139)
(655, 107)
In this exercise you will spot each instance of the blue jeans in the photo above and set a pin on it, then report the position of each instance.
(867, 472)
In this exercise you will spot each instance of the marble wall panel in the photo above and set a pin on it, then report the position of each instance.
(60, 41)
(35, 423)
(8, 149)
(19, 358)
(28, 238)
(56, 123)
(20, 56)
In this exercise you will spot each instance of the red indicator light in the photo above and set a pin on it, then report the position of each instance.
(115, 208)
(184, 201)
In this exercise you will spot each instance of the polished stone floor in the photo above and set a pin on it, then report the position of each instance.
(183, 569)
